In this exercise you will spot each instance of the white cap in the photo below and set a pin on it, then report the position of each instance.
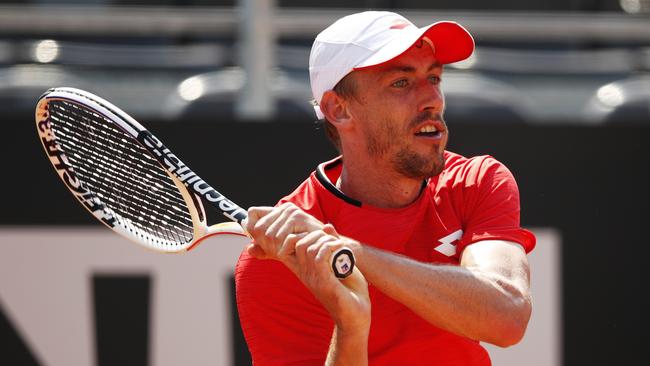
(372, 38)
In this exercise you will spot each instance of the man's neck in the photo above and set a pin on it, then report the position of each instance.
(378, 186)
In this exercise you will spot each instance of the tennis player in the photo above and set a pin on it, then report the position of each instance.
(435, 234)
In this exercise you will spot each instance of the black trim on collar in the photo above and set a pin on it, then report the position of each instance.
(322, 178)
(425, 182)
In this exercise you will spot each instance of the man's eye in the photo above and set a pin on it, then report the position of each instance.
(435, 79)
(400, 83)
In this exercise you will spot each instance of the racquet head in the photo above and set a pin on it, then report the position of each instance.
(97, 151)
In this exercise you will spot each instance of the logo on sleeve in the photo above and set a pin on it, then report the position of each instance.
(447, 246)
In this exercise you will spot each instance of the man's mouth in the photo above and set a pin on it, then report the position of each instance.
(428, 131)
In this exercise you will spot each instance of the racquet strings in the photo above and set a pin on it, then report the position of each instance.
(122, 174)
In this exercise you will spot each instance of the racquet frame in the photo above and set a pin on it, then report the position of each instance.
(192, 187)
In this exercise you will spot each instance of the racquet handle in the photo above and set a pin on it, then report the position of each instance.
(342, 262)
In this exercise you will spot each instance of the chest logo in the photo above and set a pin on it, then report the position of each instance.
(447, 246)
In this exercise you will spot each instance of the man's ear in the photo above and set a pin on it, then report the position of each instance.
(335, 108)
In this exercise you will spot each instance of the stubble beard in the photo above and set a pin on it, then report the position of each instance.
(406, 162)
(416, 166)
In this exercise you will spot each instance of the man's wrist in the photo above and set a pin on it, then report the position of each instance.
(348, 347)
(352, 330)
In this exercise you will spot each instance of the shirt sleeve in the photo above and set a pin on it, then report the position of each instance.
(491, 205)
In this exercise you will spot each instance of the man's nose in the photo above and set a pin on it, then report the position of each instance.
(430, 97)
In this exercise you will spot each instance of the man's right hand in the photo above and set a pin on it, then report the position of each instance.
(305, 245)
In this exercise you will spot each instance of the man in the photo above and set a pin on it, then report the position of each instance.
(436, 235)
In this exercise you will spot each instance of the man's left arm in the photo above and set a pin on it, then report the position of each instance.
(486, 298)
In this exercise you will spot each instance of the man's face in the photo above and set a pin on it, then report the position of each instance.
(398, 107)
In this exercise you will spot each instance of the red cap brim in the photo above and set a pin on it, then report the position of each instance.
(452, 41)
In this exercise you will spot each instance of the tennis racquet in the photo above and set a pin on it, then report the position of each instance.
(127, 179)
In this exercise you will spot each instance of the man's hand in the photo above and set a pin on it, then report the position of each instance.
(305, 245)
(275, 231)
(346, 300)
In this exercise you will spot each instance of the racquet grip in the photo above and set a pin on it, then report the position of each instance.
(342, 262)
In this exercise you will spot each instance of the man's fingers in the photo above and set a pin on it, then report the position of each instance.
(316, 252)
(330, 230)
(276, 222)
(325, 251)
(257, 225)
(254, 214)
(288, 247)
(302, 245)
(256, 251)
(288, 234)
(266, 220)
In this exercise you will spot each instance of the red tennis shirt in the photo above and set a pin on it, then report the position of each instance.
(471, 200)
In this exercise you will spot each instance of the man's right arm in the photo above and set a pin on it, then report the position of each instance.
(348, 348)
(308, 255)
(346, 300)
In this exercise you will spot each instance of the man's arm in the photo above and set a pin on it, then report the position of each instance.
(348, 348)
(487, 298)
(307, 253)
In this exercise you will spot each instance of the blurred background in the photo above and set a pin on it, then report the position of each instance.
(557, 90)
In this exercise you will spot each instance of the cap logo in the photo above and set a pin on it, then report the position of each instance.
(399, 25)
(430, 43)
